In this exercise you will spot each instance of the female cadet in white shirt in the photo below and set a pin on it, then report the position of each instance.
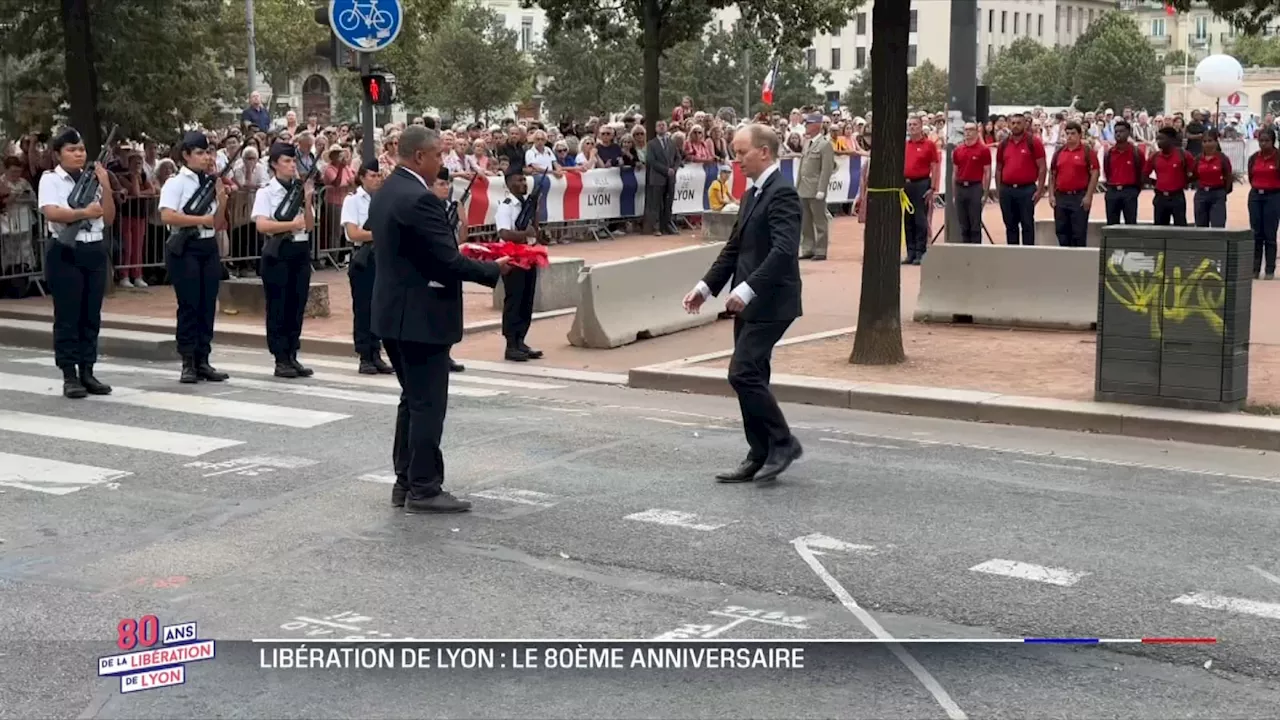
(361, 272)
(286, 275)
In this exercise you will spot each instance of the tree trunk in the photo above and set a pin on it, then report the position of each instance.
(82, 78)
(652, 54)
(879, 337)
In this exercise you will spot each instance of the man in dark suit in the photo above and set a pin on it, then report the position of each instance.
(662, 159)
(417, 311)
(762, 257)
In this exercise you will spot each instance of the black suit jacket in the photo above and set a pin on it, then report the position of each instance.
(763, 251)
(417, 293)
(660, 161)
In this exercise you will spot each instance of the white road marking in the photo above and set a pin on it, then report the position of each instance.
(1213, 601)
(818, 542)
(515, 495)
(385, 382)
(174, 402)
(161, 441)
(930, 683)
(280, 387)
(700, 426)
(726, 627)
(52, 477)
(1058, 466)
(859, 444)
(1026, 571)
(385, 478)
(675, 518)
(1265, 575)
(463, 378)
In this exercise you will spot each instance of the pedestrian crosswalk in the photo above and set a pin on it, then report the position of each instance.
(140, 420)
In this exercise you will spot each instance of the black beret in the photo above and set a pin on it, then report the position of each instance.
(369, 166)
(70, 136)
(443, 174)
(279, 150)
(1168, 132)
(195, 141)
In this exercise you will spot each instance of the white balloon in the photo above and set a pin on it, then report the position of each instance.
(1219, 76)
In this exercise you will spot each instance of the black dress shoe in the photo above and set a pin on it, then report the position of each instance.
(381, 365)
(91, 383)
(189, 375)
(205, 371)
(516, 355)
(398, 495)
(367, 367)
(456, 366)
(285, 369)
(71, 388)
(779, 461)
(533, 354)
(442, 503)
(807, 256)
(818, 258)
(909, 261)
(917, 261)
(303, 370)
(746, 472)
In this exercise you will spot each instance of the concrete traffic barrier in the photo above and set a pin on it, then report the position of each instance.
(1047, 233)
(638, 298)
(557, 286)
(245, 296)
(1018, 286)
(119, 343)
(716, 226)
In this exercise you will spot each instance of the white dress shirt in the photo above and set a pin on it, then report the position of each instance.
(177, 191)
(266, 202)
(743, 291)
(55, 189)
(541, 160)
(355, 210)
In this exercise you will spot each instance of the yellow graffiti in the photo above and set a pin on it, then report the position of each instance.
(1143, 288)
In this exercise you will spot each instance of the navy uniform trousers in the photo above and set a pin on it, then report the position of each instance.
(195, 275)
(362, 273)
(286, 279)
(77, 278)
(518, 288)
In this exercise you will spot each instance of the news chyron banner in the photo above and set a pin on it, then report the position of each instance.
(155, 656)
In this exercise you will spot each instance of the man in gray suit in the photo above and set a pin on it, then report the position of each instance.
(662, 158)
(813, 176)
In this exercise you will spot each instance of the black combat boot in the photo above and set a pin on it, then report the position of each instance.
(303, 370)
(366, 365)
(71, 386)
(189, 375)
(378, 363)
(285, 368)
(91, 384)
(205, 371)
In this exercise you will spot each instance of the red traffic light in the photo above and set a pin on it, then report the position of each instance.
(375, 90)
(379, 89)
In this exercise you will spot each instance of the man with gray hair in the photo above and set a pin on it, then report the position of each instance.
(761, 258)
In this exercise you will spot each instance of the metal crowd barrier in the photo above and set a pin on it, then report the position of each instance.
(21, 261)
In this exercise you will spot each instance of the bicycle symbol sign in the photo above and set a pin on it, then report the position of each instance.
(366, 25)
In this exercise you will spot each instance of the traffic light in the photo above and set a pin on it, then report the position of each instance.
(339, 55)
(379, 89)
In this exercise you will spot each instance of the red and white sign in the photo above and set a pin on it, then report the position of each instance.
(1233, 99)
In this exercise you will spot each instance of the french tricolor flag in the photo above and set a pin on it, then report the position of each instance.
(766, 92)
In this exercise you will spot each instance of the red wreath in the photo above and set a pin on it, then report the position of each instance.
(522, 255)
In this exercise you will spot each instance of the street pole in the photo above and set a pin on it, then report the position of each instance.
(963, 91)
(253, 47)
(746, 83)
(368, 145)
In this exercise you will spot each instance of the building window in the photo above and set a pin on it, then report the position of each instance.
(991, 21)
(1079, 18)
(1090, 16)
(1068, 19)
(1017, 22)
(861, 23)
(991, 51)
(860, 57)
(811, 58)
(1057, 20)
(836, 32)
(1040, 25)
(1202, 27)
(526, 33)
(914, 19)
(835, 58)
(1157, 27)
(1004, 22)
(911, 56)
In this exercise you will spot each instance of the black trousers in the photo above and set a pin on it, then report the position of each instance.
(77, 279)
(362, 277)
(1122, 202)
(1264, 219)
(749, 372)
(286, 279)
(917, 222)
(1210, 207)
(969, 211)
(658, 200)
(1070, 219)
(1170, 208)
(518, 288)
(423, 372)
(1019, 213)
(195, 275)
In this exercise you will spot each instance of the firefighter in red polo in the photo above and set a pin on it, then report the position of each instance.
(972, 178)
(1123, 165)
(1073, 178)
(1020, 173)
(1174, 168)
(920, 168)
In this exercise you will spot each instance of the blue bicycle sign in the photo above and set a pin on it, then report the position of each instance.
(366, 25)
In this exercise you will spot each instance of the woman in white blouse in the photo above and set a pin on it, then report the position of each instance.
(586, 158)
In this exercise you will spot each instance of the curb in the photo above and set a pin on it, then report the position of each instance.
(135, 344)
(1203, 428)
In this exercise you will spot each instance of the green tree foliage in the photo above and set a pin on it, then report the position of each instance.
(1250, 16)
(927, 87)
(665, 24)
(1113, 64)
(1259, 50)
(584, 74)
(421, 18)
(1028, 73)
(857, 97)
(1176, 58)
(474, 63)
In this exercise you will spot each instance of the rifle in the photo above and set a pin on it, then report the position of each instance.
(198, 206)
(84, 194)
(287, 211)
(529, 206)
(455, 206)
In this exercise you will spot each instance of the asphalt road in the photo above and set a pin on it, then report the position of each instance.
(259, 508)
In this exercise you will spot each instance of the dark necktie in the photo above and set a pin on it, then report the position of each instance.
(750, 200)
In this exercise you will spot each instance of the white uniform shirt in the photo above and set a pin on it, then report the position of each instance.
(355, 210)
(55, 189)
(504, 218)
(177, 191)
(266, 202)
(540, 160)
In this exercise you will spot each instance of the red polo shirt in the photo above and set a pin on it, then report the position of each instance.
(1072, 167)
(921, 155)
(1264, 171)
(970, 161)
(1211, 172)
(1017, 160)
(1170, 171)
(1121, 171)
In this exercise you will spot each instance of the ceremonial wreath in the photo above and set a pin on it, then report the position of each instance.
(522, 255)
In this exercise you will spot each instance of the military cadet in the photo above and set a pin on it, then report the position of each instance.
(1073, 178)
(76, 273)
(1264, 201)
(442, 188)
(361, 271)
(519, 284)
(195, 269)
(1122, 167)
(286, 278)
(1213, 182)
(1173, 168)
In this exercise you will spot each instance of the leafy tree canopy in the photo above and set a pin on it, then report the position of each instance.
(474, 62)
(1028, 73)
(1259, 50)
(1251, 16)
(928, 87)
(1113, 64)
